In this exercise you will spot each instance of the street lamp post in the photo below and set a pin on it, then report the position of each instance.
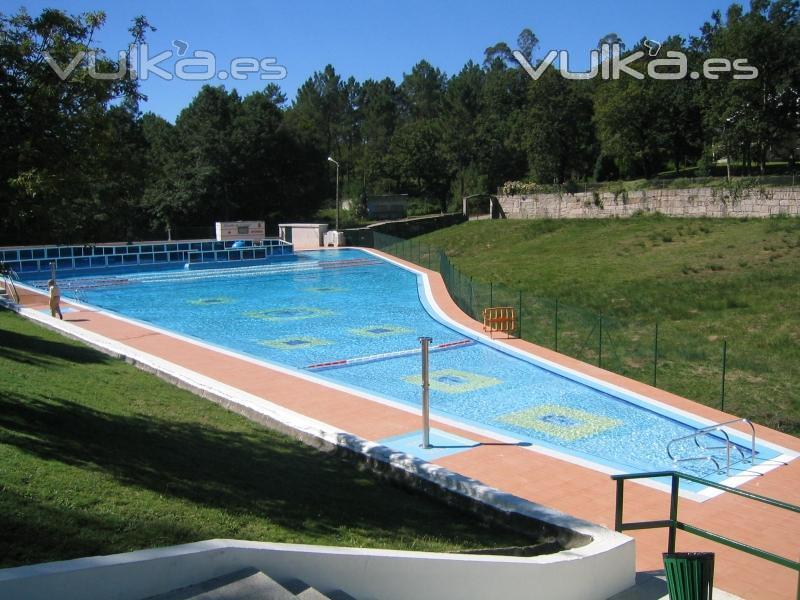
(330, 158)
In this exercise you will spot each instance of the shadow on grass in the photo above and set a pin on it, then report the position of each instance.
(253, 474)
(35, 350)
(36, 531)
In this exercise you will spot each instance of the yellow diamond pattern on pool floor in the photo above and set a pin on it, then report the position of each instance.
(325, 289)
(291, 313)
(211, 301)
(563, 422)
(380, 330)
(452, 381)
(294, 343)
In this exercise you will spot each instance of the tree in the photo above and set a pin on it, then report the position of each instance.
(50, 125)
(645, 122)
(422, 91)
(420, 158)
(748, 117)
(379, 114)
(207, 174)
(611, 39)
(317, 114)
(321, 117)
(498, 56)
(462, 109)
(527, 42)
(160, 198)
(503, 95)
(555, 128)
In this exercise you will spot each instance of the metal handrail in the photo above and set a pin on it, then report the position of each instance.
(674, 524)
(728, 444)
(8, 284)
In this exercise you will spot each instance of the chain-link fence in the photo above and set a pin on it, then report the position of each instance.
(665, 355)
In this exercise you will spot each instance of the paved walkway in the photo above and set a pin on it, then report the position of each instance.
(570, 488)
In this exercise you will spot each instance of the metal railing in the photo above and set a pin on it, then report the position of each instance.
(728, 445)
(674, 524)
(8, 276)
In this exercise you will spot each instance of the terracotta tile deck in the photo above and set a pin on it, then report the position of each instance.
(567, 487)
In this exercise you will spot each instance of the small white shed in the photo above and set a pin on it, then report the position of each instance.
(303, 235)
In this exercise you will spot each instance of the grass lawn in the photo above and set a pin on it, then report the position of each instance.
(703, 280)
(97, 457)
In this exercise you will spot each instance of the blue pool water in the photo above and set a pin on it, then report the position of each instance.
(329, 306)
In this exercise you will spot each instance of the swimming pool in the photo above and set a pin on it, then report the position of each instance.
(353, 318)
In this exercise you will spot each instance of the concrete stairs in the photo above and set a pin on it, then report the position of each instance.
(249, 584)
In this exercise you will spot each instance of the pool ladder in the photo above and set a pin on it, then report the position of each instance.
(728, 445)
(77, 293)
(9, 289)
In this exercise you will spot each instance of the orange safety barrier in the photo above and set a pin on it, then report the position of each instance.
(500, 318)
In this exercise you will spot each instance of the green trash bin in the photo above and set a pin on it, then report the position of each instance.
(690, 575)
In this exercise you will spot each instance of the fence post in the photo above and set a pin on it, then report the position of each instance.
(600, 343)
(673, 512)
(471, 290)
(655, 358)
(519, 318)
(460, 302)
(556, 322)
(724, 366)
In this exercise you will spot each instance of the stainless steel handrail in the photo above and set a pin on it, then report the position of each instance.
(728, 444)
(11, 289)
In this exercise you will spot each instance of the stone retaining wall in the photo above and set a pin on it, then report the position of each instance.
(694, 202)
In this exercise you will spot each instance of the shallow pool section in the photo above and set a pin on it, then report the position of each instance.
(352, 318)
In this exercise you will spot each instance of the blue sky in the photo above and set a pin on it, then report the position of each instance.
(370, 39)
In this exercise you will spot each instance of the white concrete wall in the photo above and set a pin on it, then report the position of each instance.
(596, 571)
(695, 202)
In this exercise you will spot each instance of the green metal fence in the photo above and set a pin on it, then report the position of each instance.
(665, 356)
(674, 524)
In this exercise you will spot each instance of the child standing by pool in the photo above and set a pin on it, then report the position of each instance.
(55, 299)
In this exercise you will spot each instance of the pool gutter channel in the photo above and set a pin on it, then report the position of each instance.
(577, 537)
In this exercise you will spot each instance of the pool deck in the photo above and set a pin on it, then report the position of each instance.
(562, 485)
